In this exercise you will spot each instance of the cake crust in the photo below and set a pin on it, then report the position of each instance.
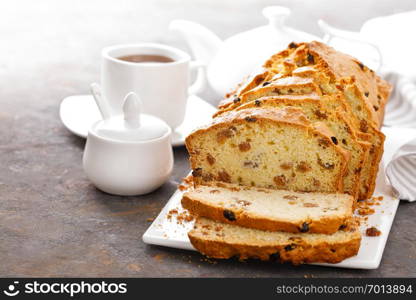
(213, 240)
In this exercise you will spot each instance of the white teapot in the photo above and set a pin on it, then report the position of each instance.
(229, 62)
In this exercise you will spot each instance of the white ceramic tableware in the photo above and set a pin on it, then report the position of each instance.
(79, 112)
(354, 44)
(230, 61)
(102, 105)
(392, 35)
(163, 87)
(129, 154)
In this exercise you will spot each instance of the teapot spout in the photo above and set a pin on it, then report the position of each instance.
(204, 44)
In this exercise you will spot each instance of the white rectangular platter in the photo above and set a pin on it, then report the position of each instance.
(165, 231)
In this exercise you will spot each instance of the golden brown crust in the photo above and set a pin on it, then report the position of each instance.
(369, 85)
(312, 97)
(289, 116)
(344, 69)
(288, 83)
(251, 83)
(384, 90)
(325, 225)
(297, 251)
(367, 185)
(322, 253)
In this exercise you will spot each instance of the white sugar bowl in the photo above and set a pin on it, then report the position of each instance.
(129, 154)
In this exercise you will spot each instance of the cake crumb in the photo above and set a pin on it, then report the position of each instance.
(184, 217)
(372, 231)
(159, 257)
(171, 213)
(182, 187)
(364, 211)
(210, 261)
(134, 267)
(186, 183)
(364, 206)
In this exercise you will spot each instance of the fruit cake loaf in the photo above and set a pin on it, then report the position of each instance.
(334, 73)
(365, 92)
(278, 66)
(268, 209)
(321, 109)
(334, 66)
(220, 240)
(372, 89)
(329, 69)
(324, 75)
(274, 148)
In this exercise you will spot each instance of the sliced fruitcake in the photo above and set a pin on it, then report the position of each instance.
(268, 147)
(269, 209)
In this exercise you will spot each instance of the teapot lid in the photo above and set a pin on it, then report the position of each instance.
(132, 125)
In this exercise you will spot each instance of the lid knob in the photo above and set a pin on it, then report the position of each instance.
(132, 108)
(276, 15)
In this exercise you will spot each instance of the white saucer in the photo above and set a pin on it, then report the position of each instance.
(79, 112)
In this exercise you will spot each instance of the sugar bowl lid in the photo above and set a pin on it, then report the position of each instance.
(132, 125)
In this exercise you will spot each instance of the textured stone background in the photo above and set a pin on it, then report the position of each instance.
(53, 222)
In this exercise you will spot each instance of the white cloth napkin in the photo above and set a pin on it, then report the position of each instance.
(401, 171)
(401, 117)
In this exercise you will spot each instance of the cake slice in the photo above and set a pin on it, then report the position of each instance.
(316, 67)
(361, 185)
(271, 148)
(332, 71)
(287, 85)
(220, 240)
(370, 133)
(364, 91)
(272, 210)
(330, 111)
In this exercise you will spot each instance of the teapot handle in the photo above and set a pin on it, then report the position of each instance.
(201, 80)
(331, 32)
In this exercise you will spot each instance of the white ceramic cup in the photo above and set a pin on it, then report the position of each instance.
(127, 168)
(163, 87)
